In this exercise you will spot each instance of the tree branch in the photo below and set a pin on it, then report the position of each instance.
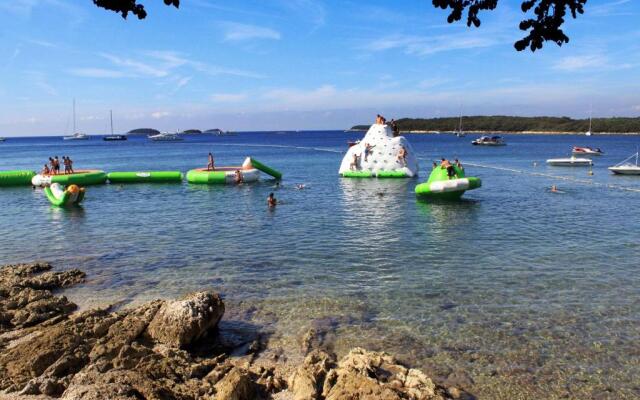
(549, 16)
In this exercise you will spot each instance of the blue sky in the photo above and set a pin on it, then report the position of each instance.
(301, 64)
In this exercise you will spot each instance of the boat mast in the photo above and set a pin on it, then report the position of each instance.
(74, 117)
(111, 119)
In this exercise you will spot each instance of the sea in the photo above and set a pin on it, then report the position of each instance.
(515, 292)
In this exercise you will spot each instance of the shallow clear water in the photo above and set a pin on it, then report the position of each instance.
(533, 294)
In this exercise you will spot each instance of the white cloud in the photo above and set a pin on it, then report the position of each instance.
(574, 63)
(425, 45)
(234, 31)
(39, 79)
(97, 73)
(588, 62)
(160, 114)
(136, 67)
(228, 97)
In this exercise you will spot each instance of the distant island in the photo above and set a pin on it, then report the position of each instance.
(506, 124)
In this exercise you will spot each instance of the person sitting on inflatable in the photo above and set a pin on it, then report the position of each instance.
(402, 155)
(45, 170)
(445, 164)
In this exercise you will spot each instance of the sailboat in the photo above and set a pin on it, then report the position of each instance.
(460, 132)
(589, 133)
(112, 137)
(76, 135)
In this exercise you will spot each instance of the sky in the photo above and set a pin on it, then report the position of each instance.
(301, 64)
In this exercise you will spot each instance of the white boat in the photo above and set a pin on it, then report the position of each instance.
(489, 141)
(2, 139)
(460, 132)
(76, 135)
(626, 167)
(586, 151)
(165, 137)
(570, 162)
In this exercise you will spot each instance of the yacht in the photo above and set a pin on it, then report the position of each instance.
(76, 135)
(165, 137)
(112, 137)
(626, 167)
(586, 151)
(489, 141)
(570, 162)
(2, 139)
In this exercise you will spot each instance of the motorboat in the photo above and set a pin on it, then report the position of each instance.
(570, 162)
(165, 137)
(112, 138)
(76, 136)
(2, 139)
(352, 143)
(586, 151)
(489, 141)
(627, 167)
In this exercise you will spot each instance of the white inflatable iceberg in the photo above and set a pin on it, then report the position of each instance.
(380, 154)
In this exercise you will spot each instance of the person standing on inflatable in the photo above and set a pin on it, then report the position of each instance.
(210, 164)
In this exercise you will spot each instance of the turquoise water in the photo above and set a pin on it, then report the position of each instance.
(533, 294)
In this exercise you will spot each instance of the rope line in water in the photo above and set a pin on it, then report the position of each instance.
(514, 170)
(564, 178)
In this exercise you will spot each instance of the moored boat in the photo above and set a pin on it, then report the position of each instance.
(165, 137)
(570, 162)
(113, 138)
(489, 141)
(586, 151)
(626, 167)
(76, 136)
(61, 197)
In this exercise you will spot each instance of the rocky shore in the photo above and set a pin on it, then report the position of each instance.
(171, 350)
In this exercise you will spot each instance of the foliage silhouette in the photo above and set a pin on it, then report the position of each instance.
(545, 24)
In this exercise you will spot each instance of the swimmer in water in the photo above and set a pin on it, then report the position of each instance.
(300, 186)
(271, 200)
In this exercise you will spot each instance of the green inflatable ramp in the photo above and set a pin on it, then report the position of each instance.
(16, 178)
(267, 170)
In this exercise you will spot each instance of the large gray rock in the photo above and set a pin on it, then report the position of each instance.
(181, 322)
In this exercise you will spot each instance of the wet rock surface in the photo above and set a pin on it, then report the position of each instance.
(171, 350)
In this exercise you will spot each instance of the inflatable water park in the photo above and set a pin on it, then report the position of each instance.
(380, 154)
(61, 197)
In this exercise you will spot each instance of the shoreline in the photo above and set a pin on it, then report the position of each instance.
(488, 133)
(181, 348)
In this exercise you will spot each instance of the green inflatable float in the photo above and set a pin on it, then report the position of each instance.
(61, 197)
(249, 171)
(84, 178)
(145, 177)
(16, 178)
(440, 186)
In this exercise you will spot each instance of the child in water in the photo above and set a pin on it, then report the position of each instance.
(271, 200)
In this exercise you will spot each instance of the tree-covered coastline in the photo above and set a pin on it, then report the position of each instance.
(509, 124)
